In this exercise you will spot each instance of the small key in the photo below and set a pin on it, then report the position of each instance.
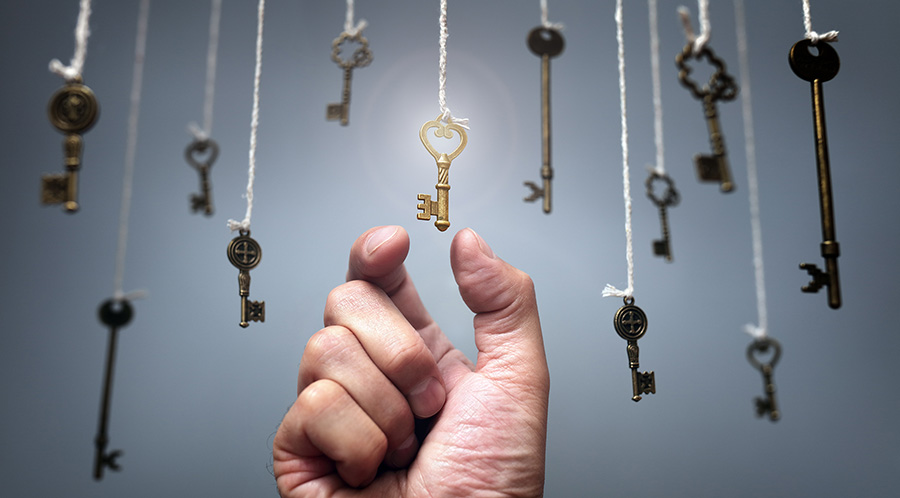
(194, 154)
(630, 323)
(441, 207)
(362, 57)
(114, 313)
(817, 69)
(244, 253)
(670, 198)
(754, 351)
(721, 86)
(545, 43)
(72, 110)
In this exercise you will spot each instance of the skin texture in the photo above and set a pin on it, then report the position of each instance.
(386, 406)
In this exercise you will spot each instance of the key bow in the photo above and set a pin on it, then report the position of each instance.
(721, 85)
(443, 130)
(361, 57)
(197, 156)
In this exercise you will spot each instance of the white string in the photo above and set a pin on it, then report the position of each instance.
(609, 290)
(657, 89)
(215, 15)
(812, 35)
(349, 28)
(254, 124)
(82, 32)
(137, 77)
(545, 20)
(446, 116)
(699, 42)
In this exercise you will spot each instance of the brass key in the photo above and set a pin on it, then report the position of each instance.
(194, 154)
(631, 324)
(73, 110)
(670, 198)
(545, 43)
(721, 86)
(441, 207)
(757, 347)
(817, 69)
(244, 253)
(114, 313)
(362, 57)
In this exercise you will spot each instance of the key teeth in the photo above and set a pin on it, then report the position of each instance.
(819, 278)
(536, 192)
(333, 112)
(424, 207)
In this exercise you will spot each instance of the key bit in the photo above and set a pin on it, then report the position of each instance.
(630, 323)
(361, 57)
(200, 155)
(755, 351)
(115, 314)
(245, 254)
(441, 207)
(72, 110)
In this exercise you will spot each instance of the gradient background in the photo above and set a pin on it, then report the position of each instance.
(197, 399)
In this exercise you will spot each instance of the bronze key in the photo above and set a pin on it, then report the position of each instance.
(817, 69)
(670, 198)
(362, 57)
(761, 346)
(630, 323)
(114, 313)
(244, 253)
(73, 110)
(441, 207)
(193, 154)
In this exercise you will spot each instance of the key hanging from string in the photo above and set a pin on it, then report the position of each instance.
(361, 57)
(243, 251)
(630, 321)
(73, 110)
(444, 127)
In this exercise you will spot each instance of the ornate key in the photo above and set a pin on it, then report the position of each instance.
(201, 154)
(441, 207)
(721, 86)
(362, 57)
(817, 69)
(73, 110)
(114, 313)
(670, 198)
(754, 351)
(545, 43)
(244, 253)
(631, 324)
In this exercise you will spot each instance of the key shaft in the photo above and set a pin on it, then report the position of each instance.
(715, 167)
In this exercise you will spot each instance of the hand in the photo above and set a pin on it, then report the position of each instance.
(381, 370)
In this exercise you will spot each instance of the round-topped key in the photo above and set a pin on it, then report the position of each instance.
(73, 108)
(115, 312)
(545, 41)
(812, 67)
(244, 252)
(630, 322)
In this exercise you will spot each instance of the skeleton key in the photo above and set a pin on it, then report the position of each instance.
(761, 346)
(545, 43)
(73, 109)
(817, 69)
(721, 86)
(441, 207)
(193, 153)
(670, 198)
(244, 253)
(114, 313)
(362, 57)
(631, 324)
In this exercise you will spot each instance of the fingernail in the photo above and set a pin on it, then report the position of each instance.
(379, 237)
(404, 453)
(427, 398)
(485, 248)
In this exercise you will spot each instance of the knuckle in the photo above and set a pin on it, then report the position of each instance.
(406, 355)
(318, 397)
(327, 342)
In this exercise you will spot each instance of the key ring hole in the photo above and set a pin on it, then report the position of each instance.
(764, 352)
(201, 154)
(670, 196)
(629, 300)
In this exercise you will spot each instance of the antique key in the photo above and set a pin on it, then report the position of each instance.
(670, 198)
(721, 86)
(362, 56)
(817, 69)
(545, 43)
(441, 207)
(244, 253)
(631, 324)
(757, 347)
(193, 154)
(114, 313)
(73, 110)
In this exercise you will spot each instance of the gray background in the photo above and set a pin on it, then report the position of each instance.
(197, 399)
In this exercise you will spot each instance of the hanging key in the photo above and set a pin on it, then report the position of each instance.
(362, 57)
(817, 69)
(757, 349)
(669, 199)
(115, 314)
(73, 110)
(631, 324)
(244, 253)
(720, 87)
(545, 43)
(201, 154)
(441, 207)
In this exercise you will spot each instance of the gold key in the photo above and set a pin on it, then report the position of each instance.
(201, 154)
(73, 109)
(441, 207)
(362, 57)
(244, 253)
(631, 324)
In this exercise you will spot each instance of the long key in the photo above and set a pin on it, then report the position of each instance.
(817, 69)
(362, 57)
(545, 43)
(440, 208)
(244, 253)
(757, 348)
(114, 313)
(721, 86)
(73, 110)
(670, 198)
(194, 154)
(630, 323)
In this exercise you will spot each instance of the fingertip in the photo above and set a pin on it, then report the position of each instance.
(378, 252)
(427, 398)
(379, 236)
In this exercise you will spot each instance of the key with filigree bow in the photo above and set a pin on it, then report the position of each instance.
(669, 198)
(441, 207)
(630, 323)
(756, 353)
(115, 314)
(201, 154)
(73, 110)
(361, 57)
(720, 87)
(817, 69)
(245, 254)
(545, 43)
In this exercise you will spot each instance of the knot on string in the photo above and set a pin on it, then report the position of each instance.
(446, 117)
(755, 331)
(235, 225)
(610, 291)
(131, 296)
(545, 22)
(814, 38)
(69, 73)
(199, 133)
(352, 30)
(698, 43)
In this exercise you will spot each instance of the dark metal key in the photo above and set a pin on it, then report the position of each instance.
(73, 110)
(114, 313)
(201, 154)
(755, 351)
(669, 198)
(630, 323)
(245, 254)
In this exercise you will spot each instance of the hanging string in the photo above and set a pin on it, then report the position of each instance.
(446, 116)
(254, 124)
(657, 88)
(202, 134)
(811, 35)
(545, 21)
(349, 28)
(137, 77)
(72, 72)
(609, 290)
(685, 14)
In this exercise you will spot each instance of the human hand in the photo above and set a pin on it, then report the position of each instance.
(381, 369)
